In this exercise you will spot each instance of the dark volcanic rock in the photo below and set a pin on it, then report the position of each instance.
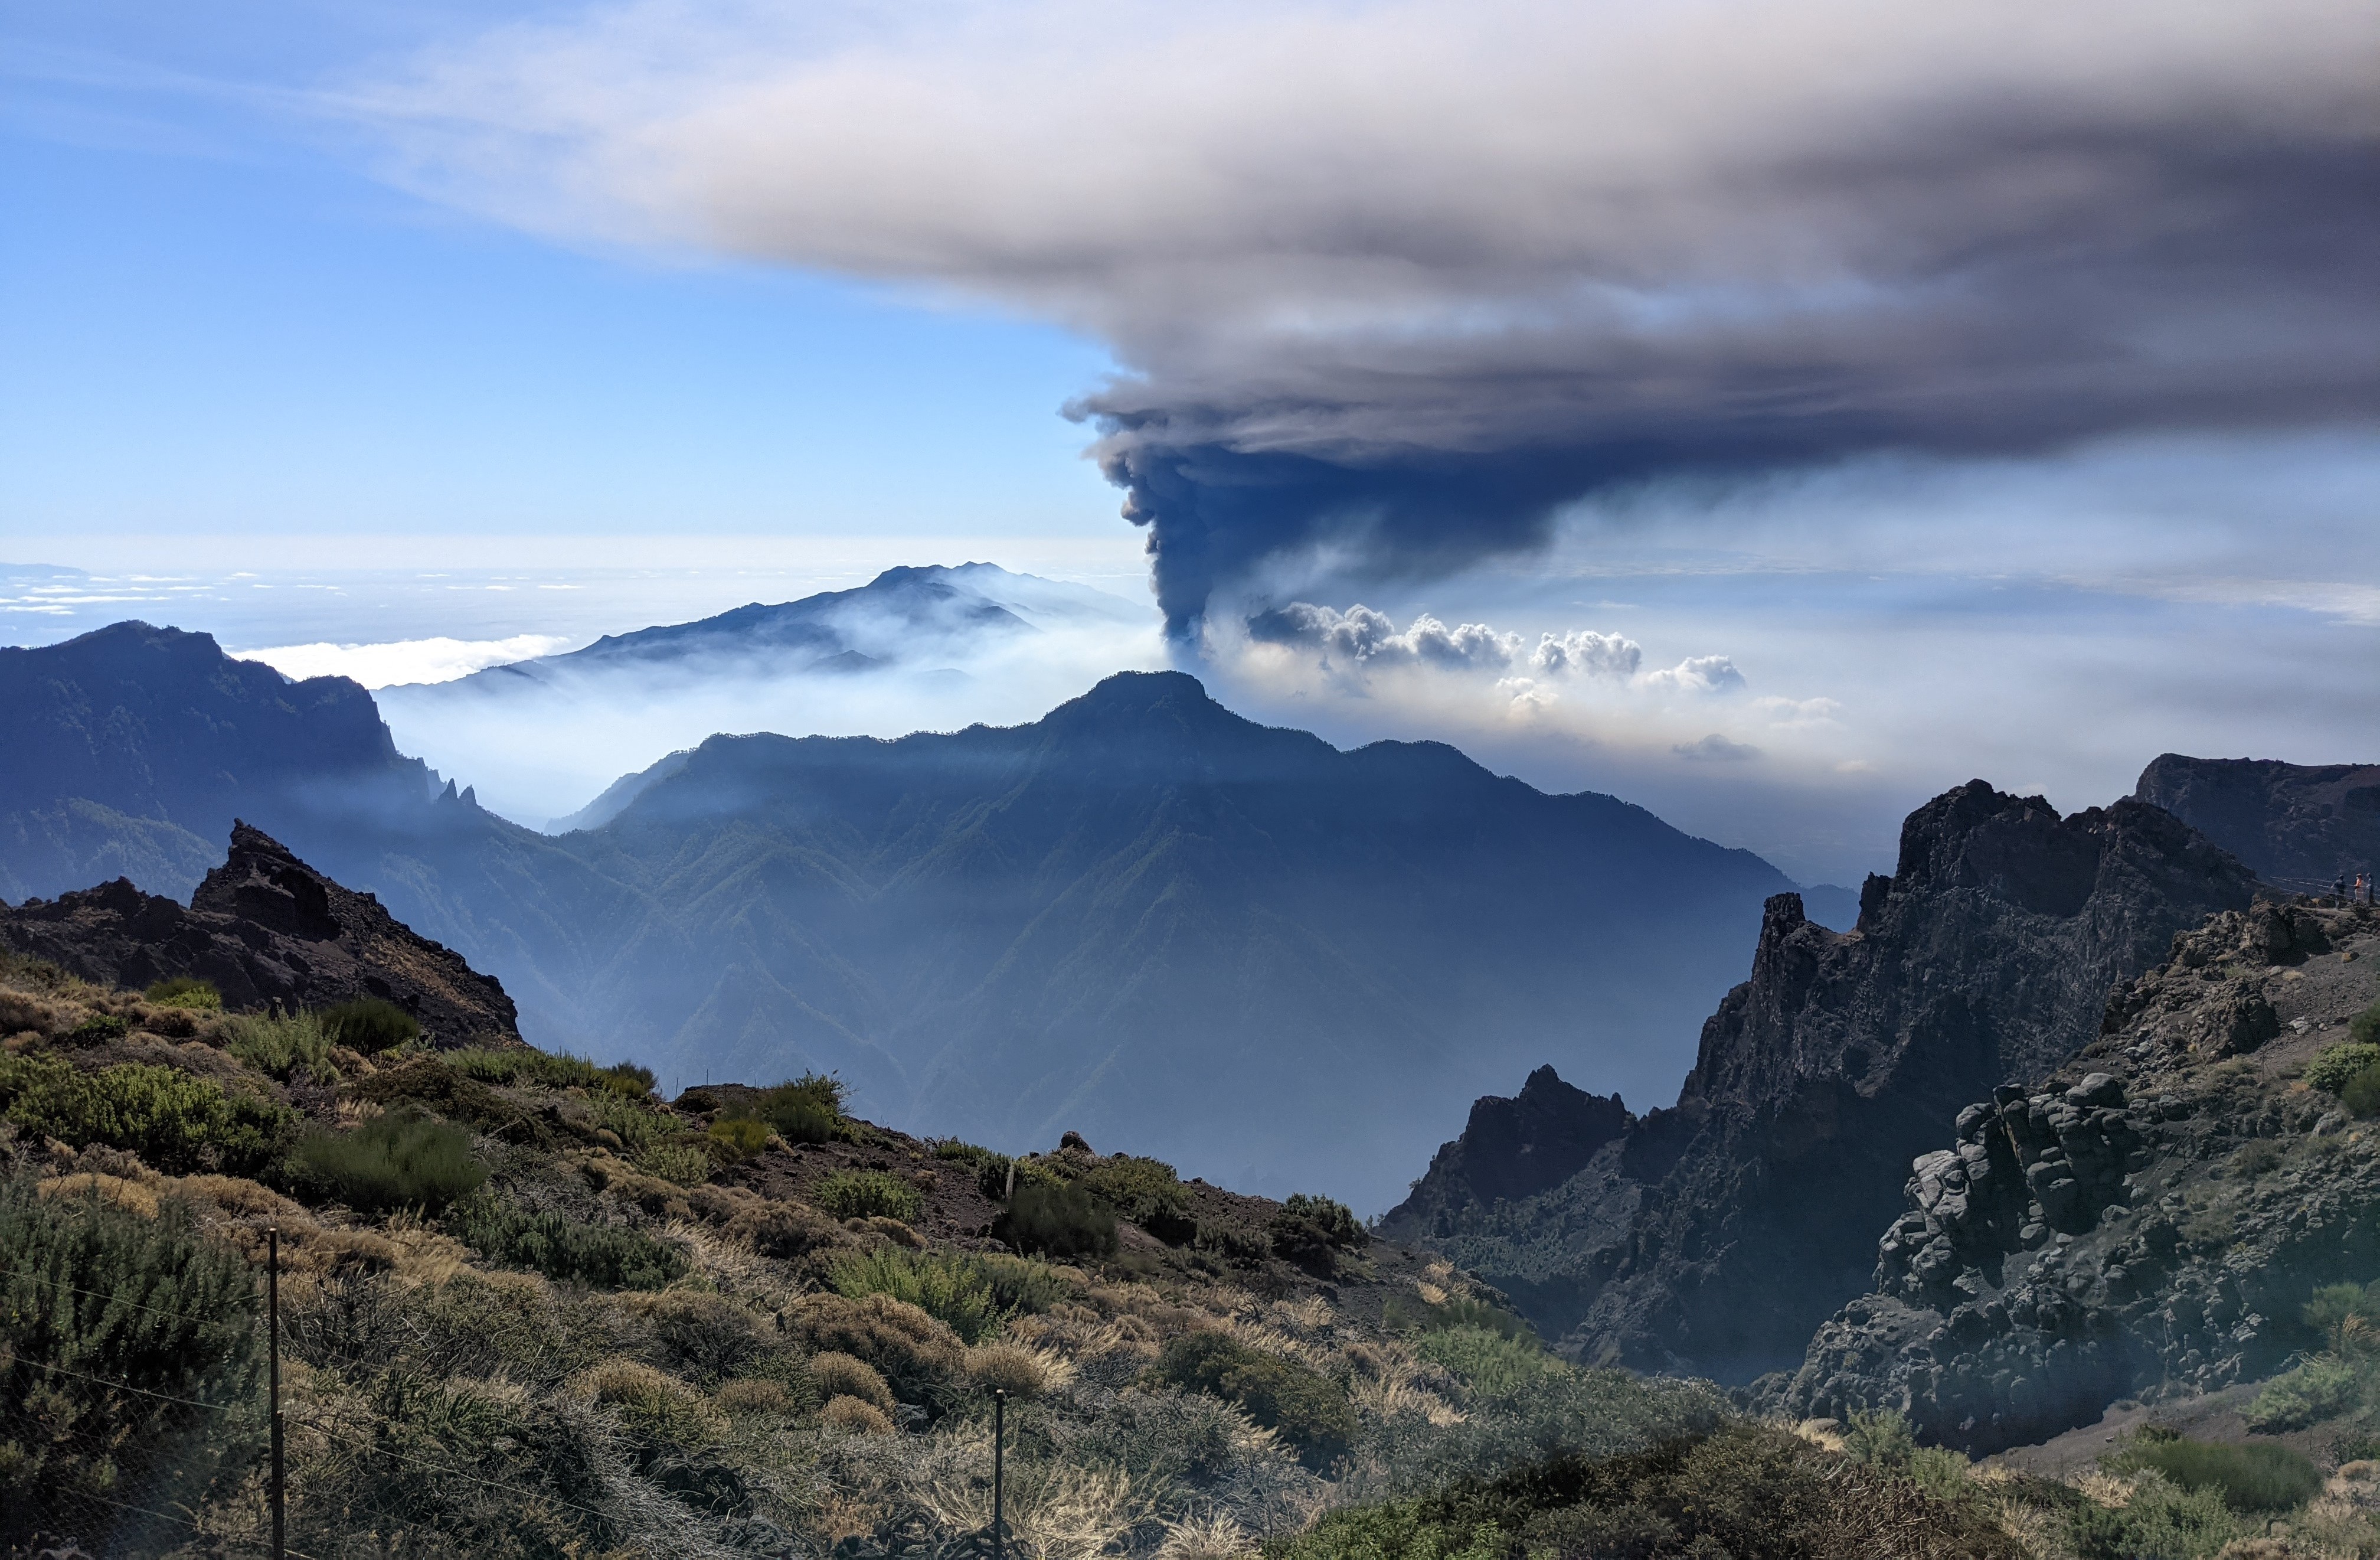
(1714, 1236)
(2146, 1223)
(2297, 825)
(265, 926)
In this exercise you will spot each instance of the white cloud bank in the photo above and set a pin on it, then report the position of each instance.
(403, 661)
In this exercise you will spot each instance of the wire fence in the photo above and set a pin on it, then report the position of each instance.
(160, 1460)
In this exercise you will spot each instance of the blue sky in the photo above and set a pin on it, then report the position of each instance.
(218, 319)
(445, 328)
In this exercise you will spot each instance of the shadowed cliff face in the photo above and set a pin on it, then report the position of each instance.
(2297, 825)
(265, 926)
(2147, 1223)
(1714, 1236)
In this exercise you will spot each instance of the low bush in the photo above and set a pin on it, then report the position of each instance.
(1744, 1490)
(391, 1162)
(2159, 1520)
(1309, 1409)
(90, 1290)
(1007, 1368)
(2330, 1071)
(176, 1123)
(2364, 1028)
(913, 1352)
(1145, 1191)
(1056, 1220)
(868, 1194)
(737, 1138)
(1023, 1285)
(431, 1083)
(837, 1374)
(997, 1176)
(551, 1069)
(681, 1164)
(1244, 1248)
(2361, 1095)
(633, 1121)
(2250, 1477)
(952, 1287)
(807, 1109)
(97, 1030)
(1312, 1231)
(278, 1044)
(1491, 1364)
(186, 990)
(370, 1025)
(1403, 1314)
(2320, 1388)
(2347, 1314)
(787, 1231)
(565, 1250)
(855, 1417)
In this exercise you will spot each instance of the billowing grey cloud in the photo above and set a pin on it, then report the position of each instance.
(1392, 283)
(1364, 636)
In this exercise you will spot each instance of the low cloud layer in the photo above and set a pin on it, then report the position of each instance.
(1391, 285)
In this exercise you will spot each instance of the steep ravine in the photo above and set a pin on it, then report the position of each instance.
(2147, 1223)
(1712, 1238)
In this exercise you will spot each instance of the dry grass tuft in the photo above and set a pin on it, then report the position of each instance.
(840, 1375)
(855, 1417)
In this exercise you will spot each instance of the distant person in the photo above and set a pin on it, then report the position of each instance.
(2338, 889)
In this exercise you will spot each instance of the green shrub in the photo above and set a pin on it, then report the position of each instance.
(954, 1289)
(683, 1163)
(2161, 1521)
(522, 1064)
(1147, 1192)
(1742, 1490)
(565, 1250)
(2250, 1478)
(1060, 1221)
(1022, 1285)
(1246, 1247)
(98, 1030)
(394, 1161)
(1310, 1410)
(995, 1173)
(737, 1138)
(807, 1109)
(186, 990)
(633, 1121)
(2364, 1028)
(430, 1082)
(370, 1025)
(1491, 1364)
(279, 1044)
(90, 1290)
(2362, 1094)
(1311, 1231)
(2330, 1071)
(867, 1194)
(2347, 1314)
(1403, 1314)
(175, 1122)
(2319, 1389)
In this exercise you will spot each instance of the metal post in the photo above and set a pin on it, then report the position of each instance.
(273, 1312)
(999, 1472)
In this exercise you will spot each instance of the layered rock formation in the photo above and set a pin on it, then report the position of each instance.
(2148, 1222)
(2299, 825)
(264, 926)
(1715, 1236)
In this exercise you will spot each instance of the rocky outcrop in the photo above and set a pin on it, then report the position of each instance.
(1713, 1237)
(2302, 826)
(2149, 1222)
(264, 926)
